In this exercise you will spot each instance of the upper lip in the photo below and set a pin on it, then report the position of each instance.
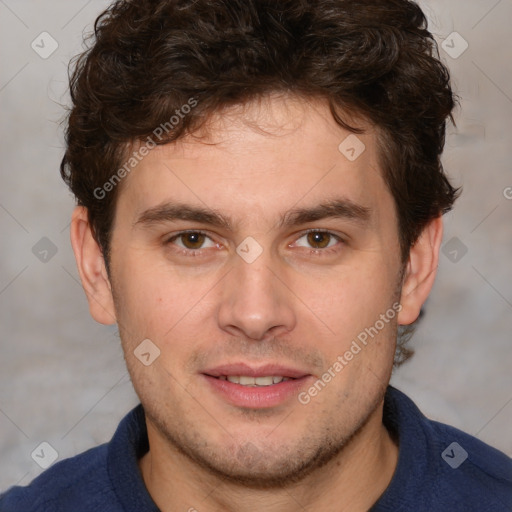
(253, 371)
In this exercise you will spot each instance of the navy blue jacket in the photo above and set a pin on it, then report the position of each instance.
(440, 469)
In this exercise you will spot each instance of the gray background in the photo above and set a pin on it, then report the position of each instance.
(62, 376)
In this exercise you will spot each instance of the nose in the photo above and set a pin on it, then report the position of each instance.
(256, 302)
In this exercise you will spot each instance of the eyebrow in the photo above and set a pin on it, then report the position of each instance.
(334, 208)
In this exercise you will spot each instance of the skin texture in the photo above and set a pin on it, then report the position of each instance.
(298, 304)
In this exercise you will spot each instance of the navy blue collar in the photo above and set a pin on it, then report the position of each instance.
(130, 442)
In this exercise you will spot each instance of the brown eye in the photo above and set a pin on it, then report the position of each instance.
(192, 240)
(319, 239)
(191, 243)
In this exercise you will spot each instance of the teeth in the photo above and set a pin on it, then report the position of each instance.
(263, 381)
(254, 381)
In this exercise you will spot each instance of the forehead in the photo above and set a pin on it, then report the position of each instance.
(260, 159)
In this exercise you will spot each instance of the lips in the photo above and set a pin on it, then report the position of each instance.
(253, 387)
(268, 370)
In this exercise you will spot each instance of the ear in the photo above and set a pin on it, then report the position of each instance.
(420, 271)
(92, 269)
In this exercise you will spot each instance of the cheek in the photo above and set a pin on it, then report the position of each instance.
(350, 298)
(155, 302)
(141, 297)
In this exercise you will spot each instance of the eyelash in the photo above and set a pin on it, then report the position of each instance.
(197, 252)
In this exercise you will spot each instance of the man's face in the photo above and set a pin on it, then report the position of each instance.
(215, 307)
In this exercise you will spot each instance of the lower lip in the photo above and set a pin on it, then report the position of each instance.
(257, 397)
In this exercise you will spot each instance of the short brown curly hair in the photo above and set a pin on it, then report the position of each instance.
(372, 58)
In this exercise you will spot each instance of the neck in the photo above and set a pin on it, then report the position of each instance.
(351, 482)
